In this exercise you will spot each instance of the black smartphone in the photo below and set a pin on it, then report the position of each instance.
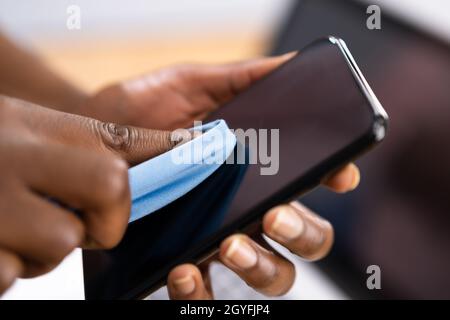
(318, 113)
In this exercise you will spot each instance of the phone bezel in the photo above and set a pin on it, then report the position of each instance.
(300, 186)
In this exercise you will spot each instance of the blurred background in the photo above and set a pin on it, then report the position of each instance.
(120, 38)
(399, 219)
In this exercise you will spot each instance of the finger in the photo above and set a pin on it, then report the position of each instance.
(94, 184)
(345, 180)
(11, 267)
(38, 231)
(133, 144)
(300, 230)
(130, 143)
(223, 82)
(185, 282)
(261, 269)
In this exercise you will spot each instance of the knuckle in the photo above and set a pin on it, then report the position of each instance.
(109, 237)
(328, 240)
(107, 222)
(272, 275)
(281, 284)
(106, 238)
(109, 181)
(275, 275)
(319, 242)
(115, 137)
(67, 234)
(107, 242)
(114, 179)
(179, 75)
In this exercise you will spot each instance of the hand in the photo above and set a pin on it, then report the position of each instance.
(292, 225)
(173, 98)
(78, 161)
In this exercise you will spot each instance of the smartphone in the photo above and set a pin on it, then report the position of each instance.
(315, 113)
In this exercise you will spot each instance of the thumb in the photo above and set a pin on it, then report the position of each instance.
(225, 81)
(257, 68)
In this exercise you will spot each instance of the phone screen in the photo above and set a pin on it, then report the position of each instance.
(300, 115)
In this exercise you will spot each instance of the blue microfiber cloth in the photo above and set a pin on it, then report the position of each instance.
(159, 181)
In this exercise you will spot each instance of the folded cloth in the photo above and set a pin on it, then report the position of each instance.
(165, 178)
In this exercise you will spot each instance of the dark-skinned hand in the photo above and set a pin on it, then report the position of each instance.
(82, 162)
(174, 97)
(78, 161)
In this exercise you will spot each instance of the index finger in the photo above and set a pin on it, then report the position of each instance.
(132, 144)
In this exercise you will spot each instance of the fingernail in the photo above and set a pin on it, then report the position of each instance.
(180, 136)
(184, 285)
(356, 179)
(288, 224)
(241, 254)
